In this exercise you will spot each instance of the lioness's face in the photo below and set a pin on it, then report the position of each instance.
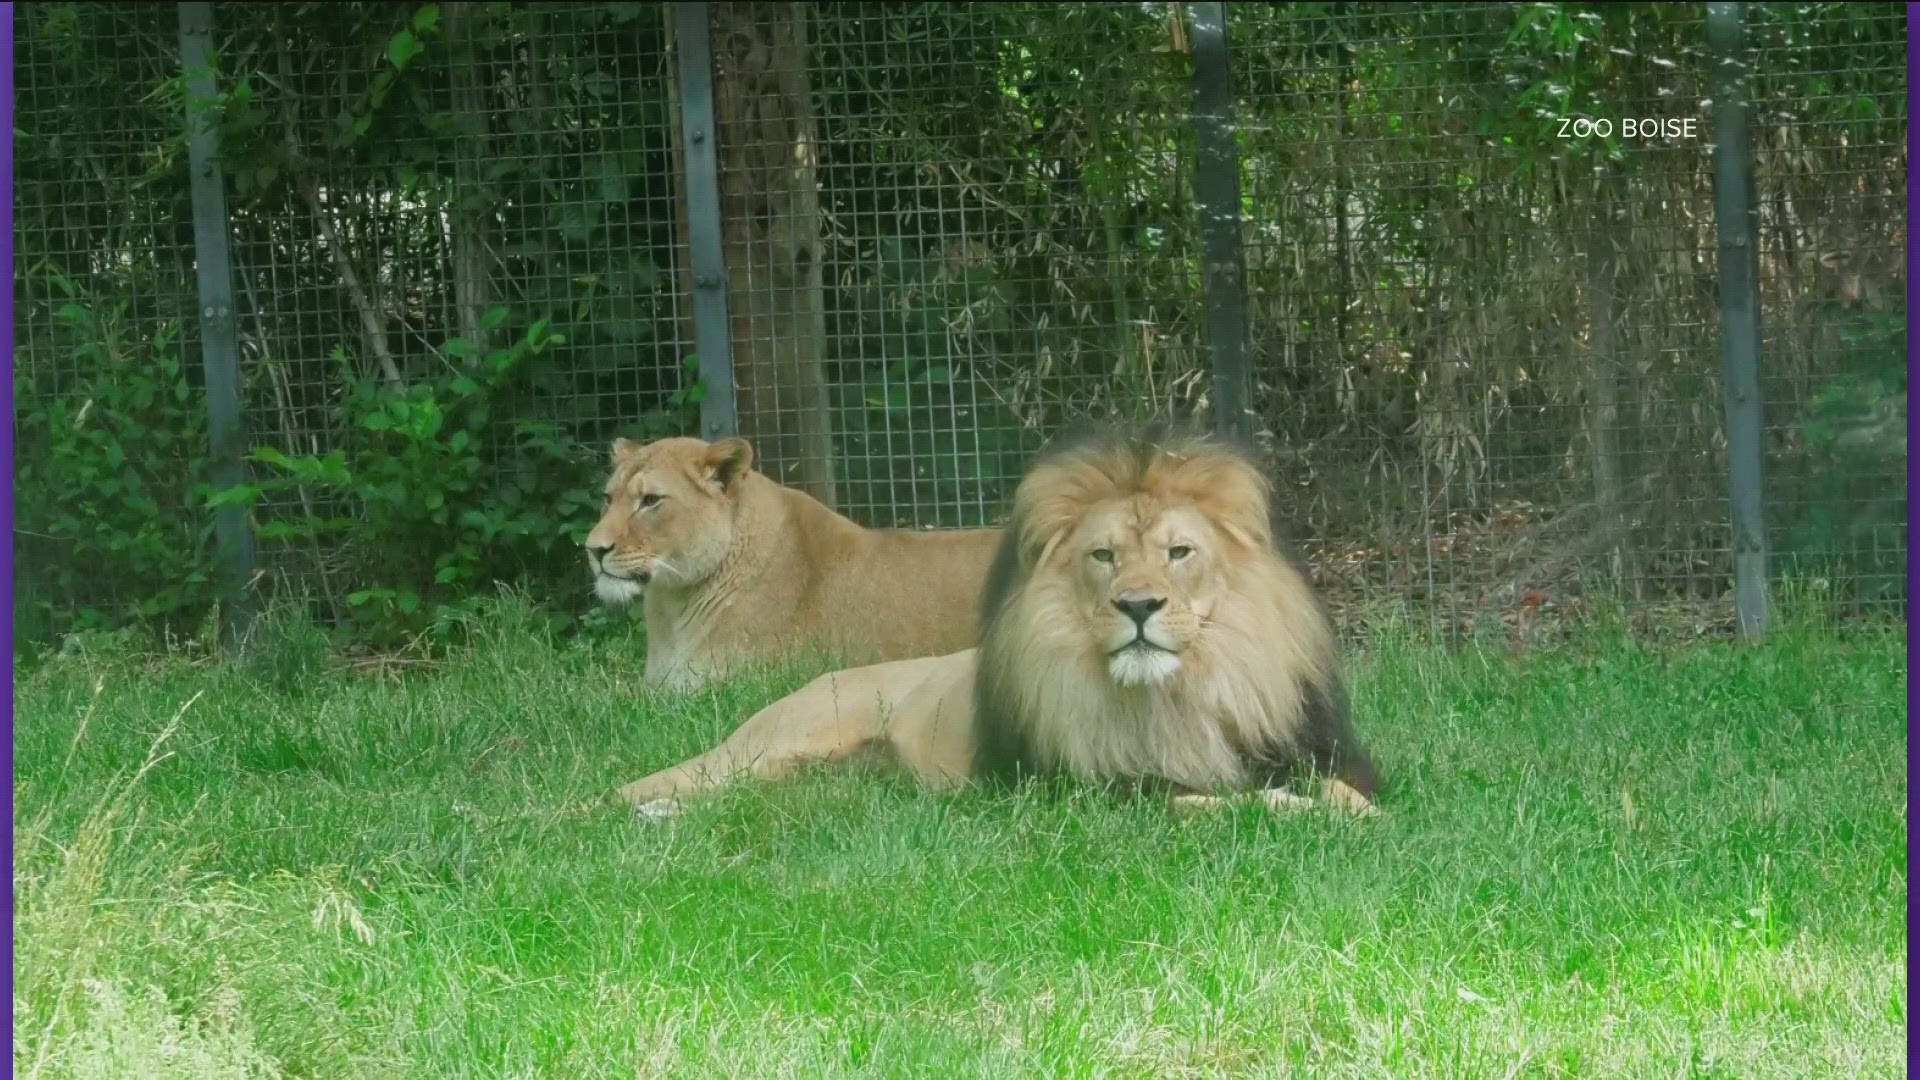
(668, 520)
(1145, 580)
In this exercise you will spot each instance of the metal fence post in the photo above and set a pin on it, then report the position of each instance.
(712, 326)
(1736, 221)
(219, 347)
(1216, 187)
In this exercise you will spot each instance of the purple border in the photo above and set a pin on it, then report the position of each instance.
(6, 439)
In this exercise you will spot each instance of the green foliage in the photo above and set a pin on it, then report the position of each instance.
(483, 463)
(1029, 229)
(892, 459)
(110, 476)
(1846, 510)
(1009, 241)
(917, 425)
(566, 198)
(450, 486)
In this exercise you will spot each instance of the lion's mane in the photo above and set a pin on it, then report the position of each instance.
(1259, 698)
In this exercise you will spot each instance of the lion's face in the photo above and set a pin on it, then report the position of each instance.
(1142, 621)
(1143, 581)
(669, 515)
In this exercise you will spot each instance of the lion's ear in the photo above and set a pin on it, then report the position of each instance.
(728, 460)
(623, 449)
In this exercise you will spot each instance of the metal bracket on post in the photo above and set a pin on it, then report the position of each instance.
(1216, 188)
(1736, 220)
(219, 345)
(712, 324)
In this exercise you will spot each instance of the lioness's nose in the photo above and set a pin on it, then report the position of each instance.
(597, 549)
(1140, 609)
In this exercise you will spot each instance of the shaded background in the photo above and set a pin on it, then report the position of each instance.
(1486, 358)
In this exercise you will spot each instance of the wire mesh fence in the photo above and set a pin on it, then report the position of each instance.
(1482, 327)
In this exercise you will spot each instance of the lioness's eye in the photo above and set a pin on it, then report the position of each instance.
(648, 501)
(1102, 555)
(1178, 552)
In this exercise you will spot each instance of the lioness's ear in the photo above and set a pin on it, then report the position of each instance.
(1034, 540)
(623, 449)
(1042, 515)
(728, 460)
(1046, 549)
(1245, 537)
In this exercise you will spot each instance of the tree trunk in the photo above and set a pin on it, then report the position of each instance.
(770, 212)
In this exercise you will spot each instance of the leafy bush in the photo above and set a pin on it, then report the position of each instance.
(451, 485)
(110, 476)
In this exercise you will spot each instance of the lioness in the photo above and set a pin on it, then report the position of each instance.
(1140, 625)
(735, 568)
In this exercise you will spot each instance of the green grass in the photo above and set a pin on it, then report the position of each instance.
(1599, 861)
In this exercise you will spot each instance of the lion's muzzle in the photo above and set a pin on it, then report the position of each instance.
(1139, 608)
(1140, 630)
(616, 590)
(1140, 651)
(609, 584)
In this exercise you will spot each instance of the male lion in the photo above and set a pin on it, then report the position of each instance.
(735, 568)
(1140, 626)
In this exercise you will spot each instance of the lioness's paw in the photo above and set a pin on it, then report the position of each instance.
(1282, 801)
(1184, 805)
(1340, 796)
(657, 810)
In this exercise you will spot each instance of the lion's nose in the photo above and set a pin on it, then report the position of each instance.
(1139, 609)
(598, 550)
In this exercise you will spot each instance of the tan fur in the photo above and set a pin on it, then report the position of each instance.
(736, 569)
(1232, 652)
(914, 713)
(1244, 639)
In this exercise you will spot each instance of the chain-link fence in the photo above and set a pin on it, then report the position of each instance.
(897, 245)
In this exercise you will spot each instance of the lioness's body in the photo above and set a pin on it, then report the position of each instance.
(736, 569)
(916, 714)
(1140, 625)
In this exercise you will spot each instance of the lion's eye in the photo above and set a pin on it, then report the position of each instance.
(1103, 555)
(1178, 552)
(647, 502)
